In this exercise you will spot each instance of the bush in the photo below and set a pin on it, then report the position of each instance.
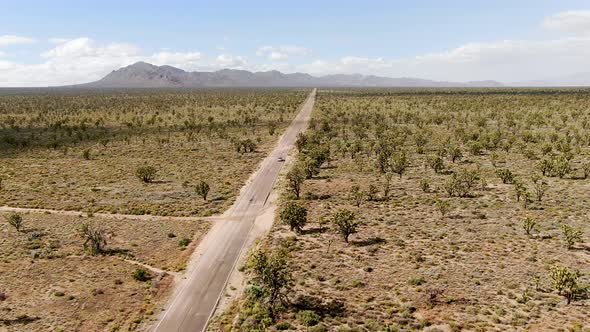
(462, 182)
(585, 169)
(520, 190)
(357, 195)
(455, 153)
(15, 220)
(566, 283)
(571, 235)
(436, 163)
(184, 242)
(561, 166)
(318, 328)
(529, 224)
(425, 185)
(141, 274)
(146, 173)
(545, 166)
(475, 148)
(308, 317)
(399, 163)
(244, 146)
(95, 238)
(86, 154)
(282, 326)
(443, 206)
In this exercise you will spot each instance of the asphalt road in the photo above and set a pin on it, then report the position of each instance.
(194, 303)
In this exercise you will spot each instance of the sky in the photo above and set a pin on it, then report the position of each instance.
(57, 42)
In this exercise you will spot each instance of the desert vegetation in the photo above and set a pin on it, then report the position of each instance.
(440, 210)
(67, 273)
(97, 153)
(137, 152)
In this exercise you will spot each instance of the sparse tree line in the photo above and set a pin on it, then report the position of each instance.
(65, 121)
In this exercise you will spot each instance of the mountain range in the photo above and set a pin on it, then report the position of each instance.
(145, 75)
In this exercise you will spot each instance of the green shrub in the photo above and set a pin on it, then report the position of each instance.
(345, 223)
(294, 215)
(202, 189)
(505, 175)
(141, 274)
(282, 326)
(308, 317)
(566, 282)
(15, 220)
(184, 242)
(146, 174)
(443, 206)
(571, 235)
(529, 224)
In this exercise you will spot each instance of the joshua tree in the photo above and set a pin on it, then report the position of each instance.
(455, 153)
(540, 189)
(294, 215)
(202, 189)
(561, 166)
(86, 154)
(15, 220)
(295, 178)
(357, 195)
(272, 277)
(399, 163)
(95, 238)
(146, 173)
(345, 223)
(585, 168)
(436, 163)
(386, 185)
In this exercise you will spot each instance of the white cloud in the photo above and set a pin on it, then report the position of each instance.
(227, 60)
(13, 40)
(508, 61)
(82, 60)
(573, 21)
(58, 40)
(187, 60)
(281, 52)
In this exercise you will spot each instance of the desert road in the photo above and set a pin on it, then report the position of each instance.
(195, 301)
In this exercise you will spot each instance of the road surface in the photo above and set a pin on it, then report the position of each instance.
(195, 301)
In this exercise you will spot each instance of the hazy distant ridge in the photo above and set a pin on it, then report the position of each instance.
(145, 75)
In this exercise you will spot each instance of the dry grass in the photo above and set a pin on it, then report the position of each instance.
(51, 283)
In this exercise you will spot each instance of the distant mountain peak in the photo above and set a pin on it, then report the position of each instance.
(145, 75)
